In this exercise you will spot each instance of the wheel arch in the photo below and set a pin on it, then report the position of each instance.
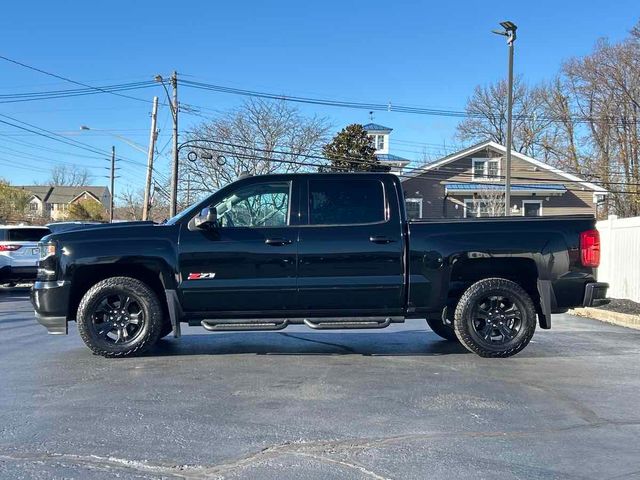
(152, 273)
(521, 270)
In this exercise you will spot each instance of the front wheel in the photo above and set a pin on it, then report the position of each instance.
(495, 317)
(120, 317)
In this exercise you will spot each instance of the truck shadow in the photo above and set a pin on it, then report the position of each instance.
(403, 343)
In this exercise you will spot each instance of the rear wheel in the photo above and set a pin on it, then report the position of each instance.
(120, 317)
(495, 317)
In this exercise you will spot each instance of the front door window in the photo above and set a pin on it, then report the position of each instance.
(260, 205)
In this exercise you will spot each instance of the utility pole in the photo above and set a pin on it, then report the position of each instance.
(152, 146)
(173, 104)
(509, 32)
(113, 181)
(174, 167)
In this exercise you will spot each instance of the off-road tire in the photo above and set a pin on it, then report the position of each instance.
(465, 312)
(148, 302)
(444, 331)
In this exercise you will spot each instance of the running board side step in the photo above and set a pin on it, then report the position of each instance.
(318, 323)
(347, 323)
(243, 325)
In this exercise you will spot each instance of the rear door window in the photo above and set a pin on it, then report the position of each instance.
(26, 234)
(337, 201)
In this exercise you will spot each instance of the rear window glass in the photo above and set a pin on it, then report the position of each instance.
(25, 234)
(345, 201)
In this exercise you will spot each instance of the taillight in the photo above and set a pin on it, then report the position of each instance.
(590, 248)
(9, 248)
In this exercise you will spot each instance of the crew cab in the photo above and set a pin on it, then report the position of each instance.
(327, 250)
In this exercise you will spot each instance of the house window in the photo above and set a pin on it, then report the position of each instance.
(414, 208)
(378, 141)
(486, 169)
(532, 208)
(474, 208)
(33, 206)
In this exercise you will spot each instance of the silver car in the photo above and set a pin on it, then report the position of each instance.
(19, 253)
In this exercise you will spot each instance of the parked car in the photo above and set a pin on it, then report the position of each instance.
(19, 253)
(331, 251)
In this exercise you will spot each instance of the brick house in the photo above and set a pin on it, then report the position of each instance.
(52, 202)
(470, 183)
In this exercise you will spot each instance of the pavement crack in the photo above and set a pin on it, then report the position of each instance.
(109, 462)
(344, 463)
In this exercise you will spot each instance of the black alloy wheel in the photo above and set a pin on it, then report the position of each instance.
(495, 317)
(120, 317)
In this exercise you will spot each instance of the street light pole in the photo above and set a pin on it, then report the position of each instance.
(113, 180)
(509, 32)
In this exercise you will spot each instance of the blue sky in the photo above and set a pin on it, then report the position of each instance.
(429, 54)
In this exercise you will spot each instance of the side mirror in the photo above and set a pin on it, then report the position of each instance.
(207, 218)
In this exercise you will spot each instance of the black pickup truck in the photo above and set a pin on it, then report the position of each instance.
(331, 251)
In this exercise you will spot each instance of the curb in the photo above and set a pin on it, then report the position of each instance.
(616, 318)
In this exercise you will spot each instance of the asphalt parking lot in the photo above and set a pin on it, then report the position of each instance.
(397, 403)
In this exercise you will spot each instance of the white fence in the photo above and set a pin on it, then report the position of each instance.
(620, 256)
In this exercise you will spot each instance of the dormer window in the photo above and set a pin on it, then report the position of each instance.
(378, 141)
(486, 169)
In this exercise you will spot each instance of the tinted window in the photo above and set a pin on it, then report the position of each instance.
(338, 201)
(259, 205)
(26, 234)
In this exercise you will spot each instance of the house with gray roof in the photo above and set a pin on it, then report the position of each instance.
(470, 183)
(52, 202)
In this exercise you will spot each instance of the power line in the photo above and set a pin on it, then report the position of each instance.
(425, 175)
(358, 160)
(390, 107)
(57, 94)
(66, 79)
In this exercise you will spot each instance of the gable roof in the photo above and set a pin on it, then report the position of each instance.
(500, 148)
(376, 127)
(39, 191)
(64, 194)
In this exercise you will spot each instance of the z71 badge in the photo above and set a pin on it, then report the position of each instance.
(201, 276)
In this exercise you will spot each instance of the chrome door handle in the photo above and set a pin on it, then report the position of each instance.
(277, 242)
(380, 239)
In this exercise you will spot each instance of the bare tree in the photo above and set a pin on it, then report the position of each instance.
(129, 205)
(487, 116)
(596, 107)
(70, 175)
(489, 203)
(586, 121)
(259, 137)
